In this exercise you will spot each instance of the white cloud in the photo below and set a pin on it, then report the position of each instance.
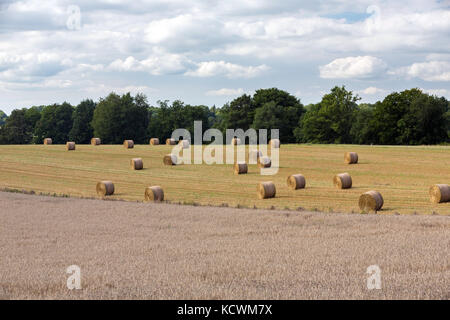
(290, 27)
(225, 92)
(438, 92)
(105, 89)
(31, 66)
(46, 84)
(353, 67)
(187, 32)
(89, 67)
(372, 91)
(428, 71)
(230, 70)
(162, 30)
(235, 39)
(157, 64)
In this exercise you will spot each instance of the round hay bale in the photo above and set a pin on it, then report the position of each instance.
(170, 160)
(266, 190)
(370, 201)
(105, 188)
(137, 164)
(274, 143)
(154, 193)
(254, 155)
(129, 144)
(351, 157)
(264, 162)
(184, 144)
(235, 141)
(48, 141)
(440, 193)
(154, 141)
(96, 141)
(70, 146)
(240, 168)
(296, 181)
(342, 181)
(171, 142)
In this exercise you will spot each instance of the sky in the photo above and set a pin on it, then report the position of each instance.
(209, 52)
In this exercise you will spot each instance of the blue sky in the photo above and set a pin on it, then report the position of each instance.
(209, 52)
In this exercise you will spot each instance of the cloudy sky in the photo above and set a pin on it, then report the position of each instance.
(208, 52)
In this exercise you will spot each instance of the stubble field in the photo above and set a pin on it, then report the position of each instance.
(402, 174)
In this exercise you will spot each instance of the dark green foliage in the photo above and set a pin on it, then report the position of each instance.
(280, 97)
(82, 130)
(3, 117)
(15, 129)
(329, 121)
(165, 119)
(19, 126)
(272, 116)
(239, 113)
(32, 116)
(314, 126)
(55, 123)
(362, 131)
(277, 109)
(447, 120)
(268, 116)
(117, 118)
(267, 109)
(411, 117)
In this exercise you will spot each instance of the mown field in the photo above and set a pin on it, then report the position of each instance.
(402, 174)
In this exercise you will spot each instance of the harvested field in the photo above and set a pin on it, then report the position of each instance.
(403, 175)
(129, 250)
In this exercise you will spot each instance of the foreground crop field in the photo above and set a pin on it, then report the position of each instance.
(402, 174)
(129, 250)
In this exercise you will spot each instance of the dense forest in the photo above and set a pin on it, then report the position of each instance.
(410, 117)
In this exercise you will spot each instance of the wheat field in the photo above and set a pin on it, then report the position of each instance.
(129, 250)
(402, 174)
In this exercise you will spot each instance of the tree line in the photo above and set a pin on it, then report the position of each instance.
(410, 117)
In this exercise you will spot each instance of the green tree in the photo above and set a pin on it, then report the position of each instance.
(247, 112)
(411, 117)
(331, 120)
(117, 118)
(277, 109)
(447, 119)
(3, 117)
(15, 129)
(32, 117)
(55, 123)
(314, 126)
(213, 117)
(281, 98)
(196, 113)
(158, 126)
(362, 131)
(82, 130)
(425, 121)
(238, 114)
(272, 116)
(165, 119)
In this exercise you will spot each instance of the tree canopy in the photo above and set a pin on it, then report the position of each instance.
(331, 120)
(3, 117)
(410, 117)
(55, 122)
(165, 119)
(117, 118)
(82, 130)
